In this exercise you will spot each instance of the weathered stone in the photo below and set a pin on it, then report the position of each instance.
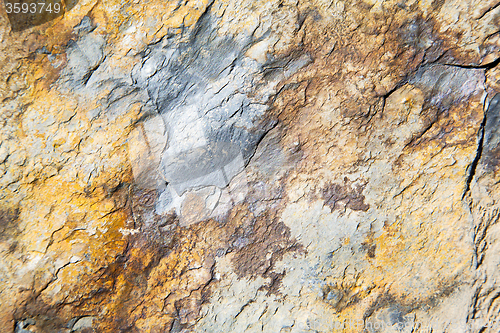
(275, 166)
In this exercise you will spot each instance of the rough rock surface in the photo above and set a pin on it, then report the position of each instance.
(251, 166)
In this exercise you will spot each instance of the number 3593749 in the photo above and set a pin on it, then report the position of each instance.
(32, 8)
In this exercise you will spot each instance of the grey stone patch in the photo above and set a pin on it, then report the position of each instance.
(214, 164)
(21, 325)
(85, 26)
(490, 158)
(43, 50)
(446, 85)
(88, 74)
(492, 125)
(208, 91)
(203, 202)
(145, 144)
(82, 323)
(390, 319)
(165, 203)
(84, 57)
(213, 101)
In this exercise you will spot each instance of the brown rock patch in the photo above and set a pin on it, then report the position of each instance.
(346, 195)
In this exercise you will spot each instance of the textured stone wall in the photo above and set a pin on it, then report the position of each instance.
(251, 166)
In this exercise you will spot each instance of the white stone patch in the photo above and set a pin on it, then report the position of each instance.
(127, 232)
(258, 51)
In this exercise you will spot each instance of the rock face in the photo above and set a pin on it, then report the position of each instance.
(251, 166)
